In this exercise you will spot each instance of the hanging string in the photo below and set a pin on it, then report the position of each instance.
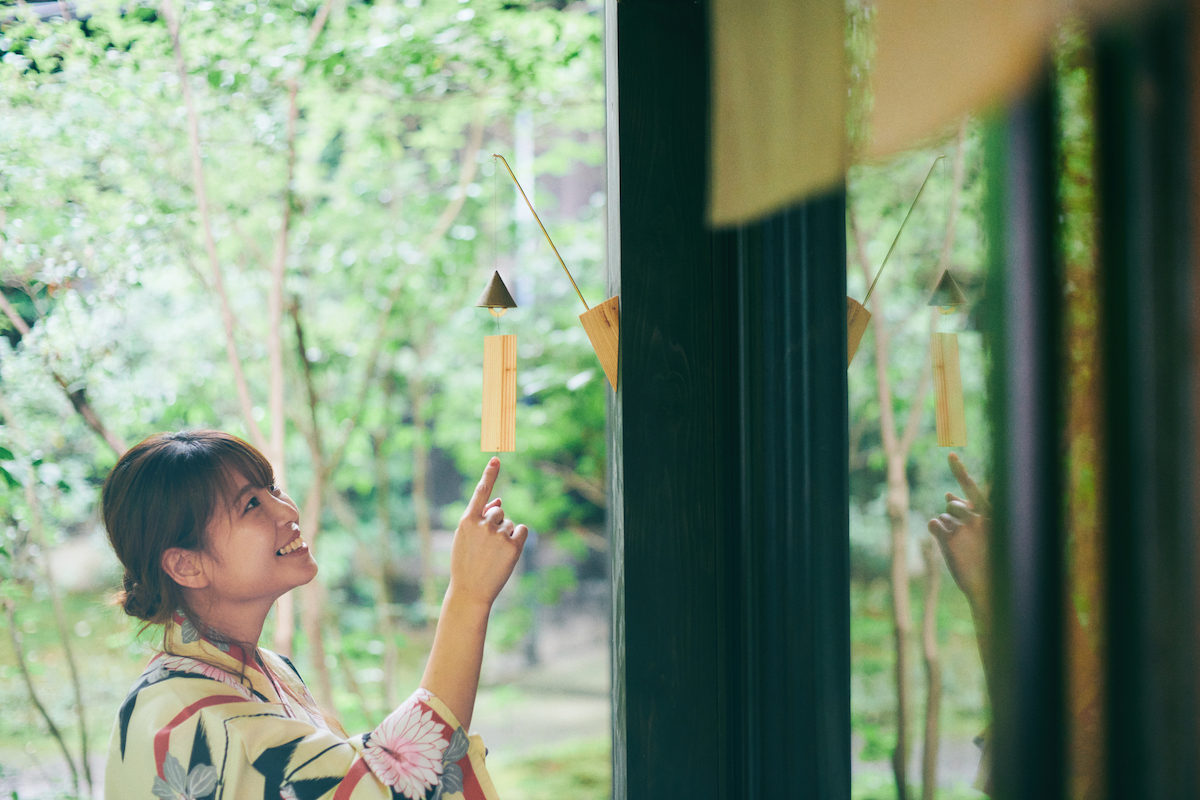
(928, 175)
(496, 222)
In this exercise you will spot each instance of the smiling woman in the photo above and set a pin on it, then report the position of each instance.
(208, 543)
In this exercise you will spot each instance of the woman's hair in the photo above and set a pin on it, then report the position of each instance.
(162, 494)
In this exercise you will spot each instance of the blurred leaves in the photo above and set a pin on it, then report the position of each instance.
(101, 253)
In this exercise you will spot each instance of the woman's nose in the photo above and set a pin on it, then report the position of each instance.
(284, 510)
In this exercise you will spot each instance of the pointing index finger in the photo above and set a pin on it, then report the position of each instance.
(969, 488)
(484, 489)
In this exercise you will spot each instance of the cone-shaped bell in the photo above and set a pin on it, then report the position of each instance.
(948, 293)
(496, 294)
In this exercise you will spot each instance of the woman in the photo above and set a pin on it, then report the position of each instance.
(209, 543)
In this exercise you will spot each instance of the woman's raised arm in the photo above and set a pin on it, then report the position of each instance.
(485, 551)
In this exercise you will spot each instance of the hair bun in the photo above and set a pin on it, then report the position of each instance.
(134, 601)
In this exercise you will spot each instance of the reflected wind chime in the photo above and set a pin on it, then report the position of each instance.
(601, 323)
(947, 379)
(857, 315)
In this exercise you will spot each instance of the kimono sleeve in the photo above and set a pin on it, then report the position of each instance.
(419, 752)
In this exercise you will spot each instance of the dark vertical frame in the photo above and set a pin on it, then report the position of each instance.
(791, 702)
(1143, 171)
(1025, 396)
(667, 533)
(728, 453)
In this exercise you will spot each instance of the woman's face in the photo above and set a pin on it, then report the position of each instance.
(254, 552)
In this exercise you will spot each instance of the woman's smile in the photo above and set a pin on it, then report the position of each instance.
(291, 547)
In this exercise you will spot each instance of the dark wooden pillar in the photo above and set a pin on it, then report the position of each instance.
(1143, 170)
(728, 454)
(1025, 397)
(668, 471)
(789, 674)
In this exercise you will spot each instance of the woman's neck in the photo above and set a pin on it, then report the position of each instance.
(241, 625)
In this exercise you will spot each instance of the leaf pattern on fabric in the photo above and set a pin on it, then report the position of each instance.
(405, 752)
(452, 776)
(201, 756)
(176, 784)
(452, 780)
(190, 633)
(459, 744)
(188, 630)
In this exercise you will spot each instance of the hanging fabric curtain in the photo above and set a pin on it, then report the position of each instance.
(779, 85)
(778, 105)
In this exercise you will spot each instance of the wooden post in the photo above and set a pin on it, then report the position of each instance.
(947, 385)
(602, 324)
(499, 430)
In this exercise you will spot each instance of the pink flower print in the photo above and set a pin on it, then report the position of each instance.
(405, 752)
(197, 667)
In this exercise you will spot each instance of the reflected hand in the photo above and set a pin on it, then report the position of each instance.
(486, 545)
(962, 532)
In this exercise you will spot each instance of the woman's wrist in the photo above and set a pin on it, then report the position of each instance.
(459, 601)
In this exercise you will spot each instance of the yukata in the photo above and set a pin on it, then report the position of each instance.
(203, 722)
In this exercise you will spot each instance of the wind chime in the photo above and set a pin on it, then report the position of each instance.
(947, 380)
(857, 315)
(498, 432)
(601, 323)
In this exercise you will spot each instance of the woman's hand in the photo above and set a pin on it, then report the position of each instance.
(485, 550)
(962, 532)
(486, 545)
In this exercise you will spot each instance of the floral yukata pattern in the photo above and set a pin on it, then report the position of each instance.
(205, 723)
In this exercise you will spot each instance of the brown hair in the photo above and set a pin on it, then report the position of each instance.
(162, 494)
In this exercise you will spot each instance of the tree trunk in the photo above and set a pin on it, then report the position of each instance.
(19, 654)
(314, 593)
(38, 532)
(210, 244)
(419, 398)
(897, 511)
(385, 603)
(64, 631)
(933, 669)
(310, 523)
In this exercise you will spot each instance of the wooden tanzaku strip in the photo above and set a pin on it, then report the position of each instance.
(602, 325)
(499, 429)
(543, 227)
(857, 318)
(947, 389)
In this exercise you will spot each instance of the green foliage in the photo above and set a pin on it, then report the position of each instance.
(103, 248)
(396, 220)
(580, 771)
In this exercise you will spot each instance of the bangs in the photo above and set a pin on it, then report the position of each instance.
(206, 468)
(232, 459)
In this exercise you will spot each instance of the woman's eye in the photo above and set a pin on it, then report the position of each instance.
(275, 490)
(251, 504)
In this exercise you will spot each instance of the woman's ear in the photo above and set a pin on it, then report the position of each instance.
(185, 567)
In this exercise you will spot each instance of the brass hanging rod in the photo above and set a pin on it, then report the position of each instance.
(543, 227)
